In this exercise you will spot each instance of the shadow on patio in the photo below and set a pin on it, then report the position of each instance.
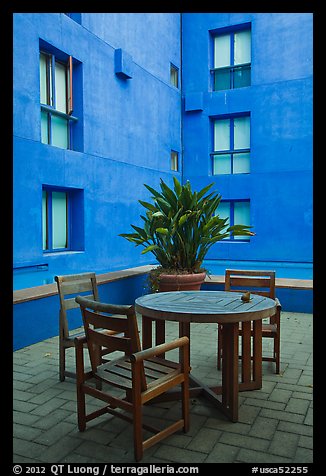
(275, 423)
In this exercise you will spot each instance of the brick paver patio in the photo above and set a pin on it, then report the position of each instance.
(275, 423)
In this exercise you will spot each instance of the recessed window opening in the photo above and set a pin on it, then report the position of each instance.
(231, 143)
(174, 75)
(232, 60)
(55, 220)
(174, 161)
(56, 98)
(238, 213)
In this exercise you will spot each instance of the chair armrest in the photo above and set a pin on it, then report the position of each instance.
(159, 349)
(80, 340)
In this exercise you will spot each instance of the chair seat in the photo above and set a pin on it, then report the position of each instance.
(118, 372)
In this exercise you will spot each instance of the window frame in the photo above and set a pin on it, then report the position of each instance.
(232, 203)
(231, 151)
(174, 72)
(49, 220)
(233, 68)
(49, 108)
(174, 159)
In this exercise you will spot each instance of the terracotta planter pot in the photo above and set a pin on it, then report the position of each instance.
(181, 282)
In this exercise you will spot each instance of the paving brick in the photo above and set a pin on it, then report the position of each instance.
(22, 395)
(48, 406)
(263, 428)
(248, 413)
(57, 432)
(280, 395)
(25, 432)
(309, 417)
(306, 442)
(284, 444)
(60, 449)
(244, 441)
(226, 425)
(251, 456)
(282, 415)
(303, 455)
(205, 440)
(103, 453)
(28, 449)
(222, 453)
(295, 428)
(265, 404)
(297, 405)
(48, 421)
(178, 455)
(24, 418)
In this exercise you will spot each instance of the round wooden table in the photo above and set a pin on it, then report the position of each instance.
(221, 307)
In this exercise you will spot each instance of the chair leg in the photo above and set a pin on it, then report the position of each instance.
(138, 433)
(219, 346)
(277, 353)
(81, 400)
(137, 412)
(185, 405)
(62, 359)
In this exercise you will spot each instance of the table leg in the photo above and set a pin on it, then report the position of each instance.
(147, 332)
(246, 352)
(257, 353)
(230, 378)
(147, 340)
(159, 332)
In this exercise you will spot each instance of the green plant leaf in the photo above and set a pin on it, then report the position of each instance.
(147, 205)
(177, 186)
(150, 248)
(162, 231)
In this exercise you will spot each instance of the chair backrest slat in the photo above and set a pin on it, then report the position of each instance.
(114, 343)
(257, 282)
(77, 287)
(118, 324)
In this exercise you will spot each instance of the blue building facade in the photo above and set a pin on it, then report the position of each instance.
(105, 102)
(274, 183)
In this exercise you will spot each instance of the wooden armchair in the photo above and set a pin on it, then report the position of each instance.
(69, 286)
(140, 374)
(257, 282)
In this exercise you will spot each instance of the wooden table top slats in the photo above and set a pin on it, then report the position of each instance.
(204, 306)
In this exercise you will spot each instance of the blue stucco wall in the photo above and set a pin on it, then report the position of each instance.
(279, 101)
(127, 130)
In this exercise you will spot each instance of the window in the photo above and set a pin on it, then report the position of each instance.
(238, 213)
(232, 60)
(174, 75)
(174, 161)
(231, 145)
(62, 219)
(55, 220)
(56, 100)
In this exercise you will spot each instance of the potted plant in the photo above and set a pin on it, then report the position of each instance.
(179, 228)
